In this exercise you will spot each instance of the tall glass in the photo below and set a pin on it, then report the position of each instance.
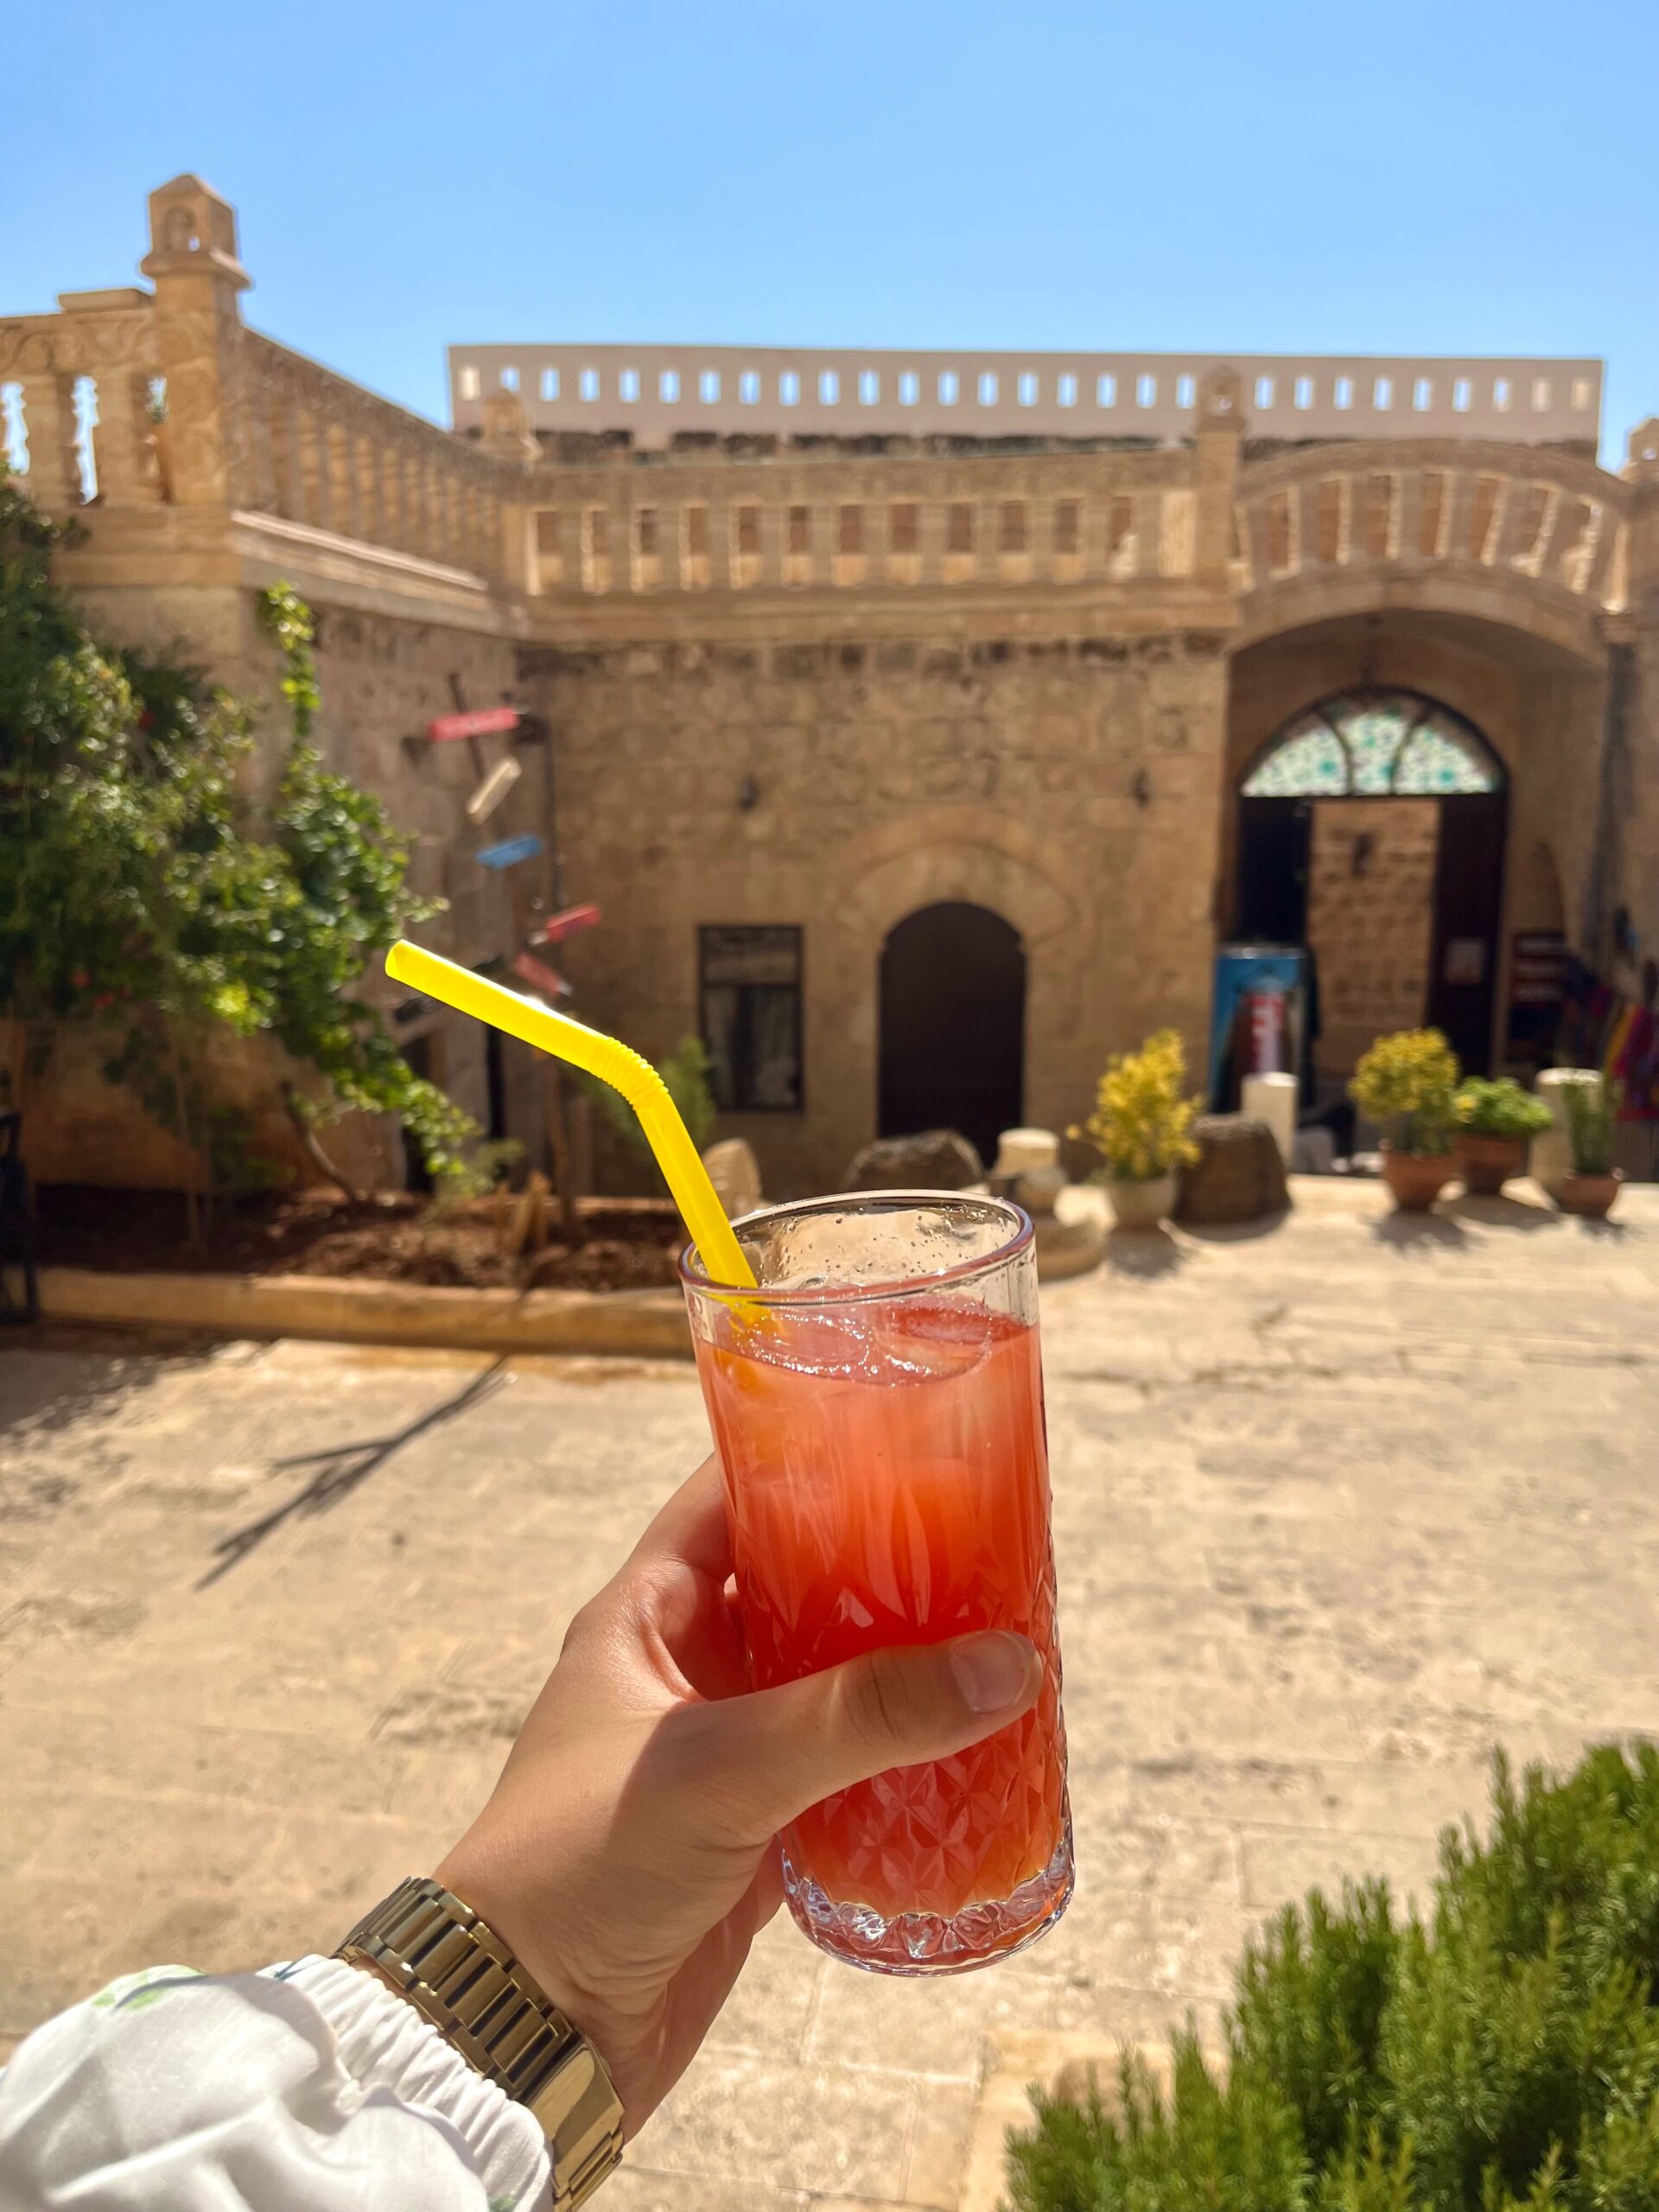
(877, 1406)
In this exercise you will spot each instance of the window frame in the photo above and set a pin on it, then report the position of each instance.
(796, 930)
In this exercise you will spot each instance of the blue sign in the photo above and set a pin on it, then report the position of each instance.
(509, 852)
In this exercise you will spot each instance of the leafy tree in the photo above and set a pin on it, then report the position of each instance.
(133, 887)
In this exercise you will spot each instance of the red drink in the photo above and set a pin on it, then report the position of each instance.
(886, 1480)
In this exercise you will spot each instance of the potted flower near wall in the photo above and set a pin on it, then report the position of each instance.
(1140, 1128)
(1497, 1122)
(1408, 1083)
(1591, 1103)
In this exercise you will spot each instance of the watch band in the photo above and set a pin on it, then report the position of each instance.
(453, 1969)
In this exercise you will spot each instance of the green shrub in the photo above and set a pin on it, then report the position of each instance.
(1591, 1103)
(1500, 2056)
(1499, 1109)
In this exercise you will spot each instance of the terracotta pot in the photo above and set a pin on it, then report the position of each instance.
(1141, 1205)
(1417, 1178)
(1592, 1196)
(1486, 1163)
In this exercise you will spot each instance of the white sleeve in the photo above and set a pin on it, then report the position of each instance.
(308, 2085)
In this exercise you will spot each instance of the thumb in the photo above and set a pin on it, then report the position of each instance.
(777, 1751)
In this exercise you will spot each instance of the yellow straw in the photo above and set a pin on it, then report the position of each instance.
(612, 1062)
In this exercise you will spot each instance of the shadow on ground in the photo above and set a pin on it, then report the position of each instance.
(1501, 1213)
(1142, 1252)
(342, 1468)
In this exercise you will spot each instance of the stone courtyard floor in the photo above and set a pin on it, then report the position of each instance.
(1338, 1507)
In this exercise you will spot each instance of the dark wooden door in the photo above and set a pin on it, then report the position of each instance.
(1270, 907)
(1468, 901)
(953, 1025)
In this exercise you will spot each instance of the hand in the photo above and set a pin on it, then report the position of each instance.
(629, 1852)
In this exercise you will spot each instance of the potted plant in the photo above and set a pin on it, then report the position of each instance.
(1591, 1103)
(1407, 1084)
(1497, 1122)
(1140, 1128)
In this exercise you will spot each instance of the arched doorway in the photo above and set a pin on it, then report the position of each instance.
(1371, 830)
(953, 1025)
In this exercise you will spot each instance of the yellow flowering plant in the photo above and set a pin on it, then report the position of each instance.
(1408, 1083)
(1141, 1123)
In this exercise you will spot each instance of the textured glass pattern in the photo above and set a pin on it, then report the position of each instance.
(1373, 745)
(887, 1483)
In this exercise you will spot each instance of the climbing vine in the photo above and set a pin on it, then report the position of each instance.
(134, 889)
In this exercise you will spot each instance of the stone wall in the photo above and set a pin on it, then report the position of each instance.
(1072, 786)
(1371, 899)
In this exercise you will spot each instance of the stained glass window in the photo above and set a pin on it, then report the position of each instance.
(1373, 745)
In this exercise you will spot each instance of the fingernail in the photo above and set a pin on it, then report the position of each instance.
(992, 1670)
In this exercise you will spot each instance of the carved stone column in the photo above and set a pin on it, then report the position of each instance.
(193, 264)
(49, 424)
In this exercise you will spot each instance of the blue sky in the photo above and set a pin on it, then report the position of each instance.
(1365, 175)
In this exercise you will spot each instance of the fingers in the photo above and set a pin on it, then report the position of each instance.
(771, 1754)
(692, 1527)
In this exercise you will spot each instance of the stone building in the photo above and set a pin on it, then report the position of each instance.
(921, 723)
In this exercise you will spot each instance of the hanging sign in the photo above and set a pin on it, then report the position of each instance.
(558, 927)
(494, 788)
(546, 980)
(509, 852)
(480, 721)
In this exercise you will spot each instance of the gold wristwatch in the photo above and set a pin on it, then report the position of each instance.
(453, 1969)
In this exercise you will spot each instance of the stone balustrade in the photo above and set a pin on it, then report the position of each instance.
(313, 447)
(1524, 513)
(85, 402)
(849, 525)
(656, 393)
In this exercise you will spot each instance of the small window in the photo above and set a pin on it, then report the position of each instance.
(1303, 394)
(549, 384)
(1264, 392)
(1065, 390)
(1106, 392)
(748, 532)
(905, 524)
(1146, 392)
(509, 379)
(697, 532)
(1580, 394)
(644, 532)
(1186, 391)
(949, 385)
(587, 383)
(1541, 394)
(1501, 394)
(1460, 394)
(959, 526)
(749, 1002)
(1422, 396)
(988, 387)
(468, 383)
(788, 388)
(1068, 534)
(1011, 526)
(1025, 388)
(849, 528)
(667, 387)
(1382, 394)
(800, 529)
(627, 386)
(1343, 391)
(748, 388)
(547, 531)
(708, 386)
(828, 388)
(910, 388)
(869, 387)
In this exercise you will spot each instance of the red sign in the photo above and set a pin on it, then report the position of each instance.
(547, 981)
(482, 722)
(1267, 1016)
(570, 922)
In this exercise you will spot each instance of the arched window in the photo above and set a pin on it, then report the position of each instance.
(1371, 744)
